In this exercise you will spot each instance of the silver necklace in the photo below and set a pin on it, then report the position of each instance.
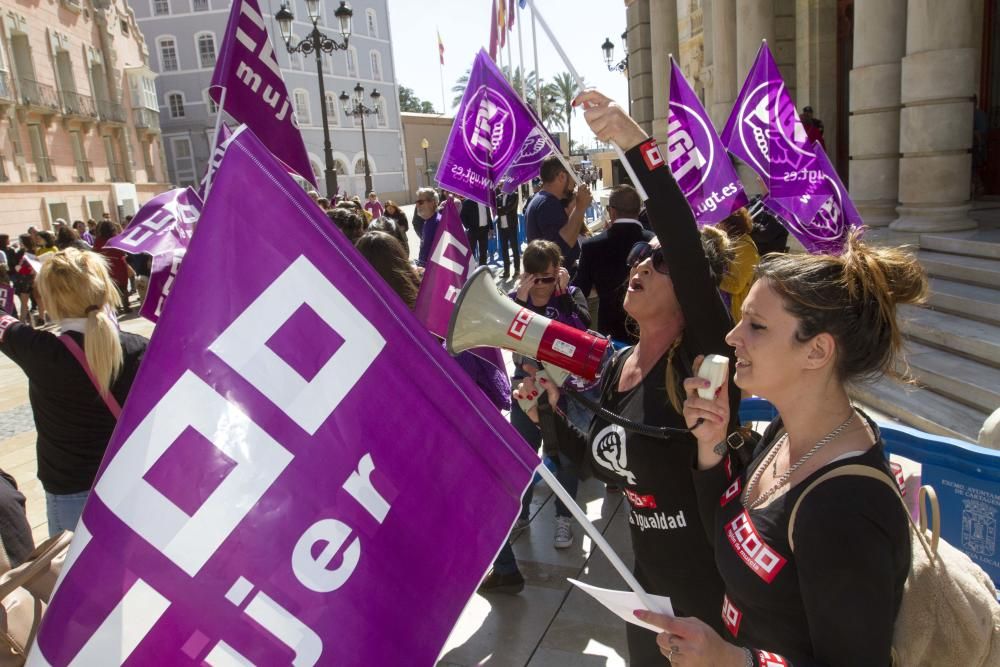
(771, 455)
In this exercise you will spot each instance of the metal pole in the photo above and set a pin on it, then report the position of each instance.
(331, 174)
(364, 147)
(427, 170)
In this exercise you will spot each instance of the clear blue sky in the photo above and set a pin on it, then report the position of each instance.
(580, 25)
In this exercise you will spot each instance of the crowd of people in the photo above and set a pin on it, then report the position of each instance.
(709, 503)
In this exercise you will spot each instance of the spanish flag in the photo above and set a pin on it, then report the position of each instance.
(440, 47)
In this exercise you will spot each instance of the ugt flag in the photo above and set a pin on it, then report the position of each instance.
(255, 93)
(527, 163)
(764, 129)
(821, 228)
(259, 502)
(490, 129)
(697, 158)
(221, 138)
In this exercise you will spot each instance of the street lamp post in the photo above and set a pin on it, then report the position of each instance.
(359, 109)
(427, 165)
(318, 43)
(620, 66)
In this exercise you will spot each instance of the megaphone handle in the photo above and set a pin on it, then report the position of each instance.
(598, 539)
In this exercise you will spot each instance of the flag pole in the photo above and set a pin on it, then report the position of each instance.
(595, 535)
(579, 84)
(520, 53)
(215, 138)
(538, 76)
(444, 109)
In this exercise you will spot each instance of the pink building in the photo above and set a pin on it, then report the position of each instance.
(79, 120)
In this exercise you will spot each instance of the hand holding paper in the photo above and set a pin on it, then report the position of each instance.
(624, 603)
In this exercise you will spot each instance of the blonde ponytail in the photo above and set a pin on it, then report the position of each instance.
(76, 283)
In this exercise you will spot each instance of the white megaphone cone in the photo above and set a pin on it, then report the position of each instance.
(485, 317)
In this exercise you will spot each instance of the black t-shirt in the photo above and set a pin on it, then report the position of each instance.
(73, 423)
(834, 600)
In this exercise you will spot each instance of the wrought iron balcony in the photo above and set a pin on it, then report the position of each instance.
(6, 88)
(44, 167)
(110, 112)
(38, 95)
(146, 119)
(116, 172)
(84, 173)
(75, 104)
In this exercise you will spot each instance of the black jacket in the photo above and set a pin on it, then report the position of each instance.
(602, 266)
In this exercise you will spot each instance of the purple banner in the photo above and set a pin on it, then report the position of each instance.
(255, 93)
(163, 223)
(260, 502)
(161, 279)
(821, 223)
(764, 129)
(489, 133)
(221, 139)
(697, 158)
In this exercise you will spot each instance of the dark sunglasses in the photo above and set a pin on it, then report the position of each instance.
(642, 251)
(545, 280)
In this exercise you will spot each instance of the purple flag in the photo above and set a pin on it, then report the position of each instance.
(221, 139)
(820, 222)
(528, 162)
(764, 129)
(259, 502)
(163, 223)
(255, 93)
(489, 132)
(448, 267)
(697, 158)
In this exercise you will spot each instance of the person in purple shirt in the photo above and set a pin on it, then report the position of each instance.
(80, 227)
(545, 217)
(427, 210)
(374, 206)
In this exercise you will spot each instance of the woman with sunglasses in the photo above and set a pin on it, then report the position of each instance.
(673, 296)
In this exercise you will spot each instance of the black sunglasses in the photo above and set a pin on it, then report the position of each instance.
(545, 280)
(642, 251)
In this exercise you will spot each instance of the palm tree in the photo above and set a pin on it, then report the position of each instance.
(515, 81)
(565, 89)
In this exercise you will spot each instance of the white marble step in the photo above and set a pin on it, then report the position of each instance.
(960, 246)
(974, 339)
(980, 303)
(978, 270)
(922, 409)
(962, 379)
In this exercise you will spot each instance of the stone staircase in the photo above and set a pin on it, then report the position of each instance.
(952, 342)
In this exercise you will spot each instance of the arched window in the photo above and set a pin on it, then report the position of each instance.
(359, 166)
(332, 109)
(381, 116)
(295, 60)
(168, 54)
(175, 105)
(301, 104)
(376, 61)
(340, 167)
(210, 104)
(372, 22)
(352, 61)
(205, 44)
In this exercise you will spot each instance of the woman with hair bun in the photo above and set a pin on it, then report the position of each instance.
(78, 380)
(811, 578)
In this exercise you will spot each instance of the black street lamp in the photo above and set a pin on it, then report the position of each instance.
(621, 65)
(427, 165)
(318, 43)
(359, 109)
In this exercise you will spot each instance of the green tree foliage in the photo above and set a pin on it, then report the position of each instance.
(408, 101)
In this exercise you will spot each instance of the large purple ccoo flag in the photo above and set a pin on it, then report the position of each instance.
(697, 158)
(259, 502)
(820, 227)
(163, 223)
(489, 133)
(255, 93)
(764, 129)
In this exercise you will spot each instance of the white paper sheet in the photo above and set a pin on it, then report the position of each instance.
(623, 603)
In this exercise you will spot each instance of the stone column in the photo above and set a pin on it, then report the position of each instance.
(755, 19)
(816, 66)
(784, 46)
(939, 79)
(640, 62)
(879, 45)
(663, 42)
(725, 78)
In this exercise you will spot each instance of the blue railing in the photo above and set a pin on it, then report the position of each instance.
(966, 478)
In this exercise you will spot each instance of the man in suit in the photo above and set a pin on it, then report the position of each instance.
(507, 231)
(602, 261)
(476, 220)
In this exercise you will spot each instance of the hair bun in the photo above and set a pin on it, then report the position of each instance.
(883, 272)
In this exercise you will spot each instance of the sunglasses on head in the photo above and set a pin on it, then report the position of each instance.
(642, 251)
